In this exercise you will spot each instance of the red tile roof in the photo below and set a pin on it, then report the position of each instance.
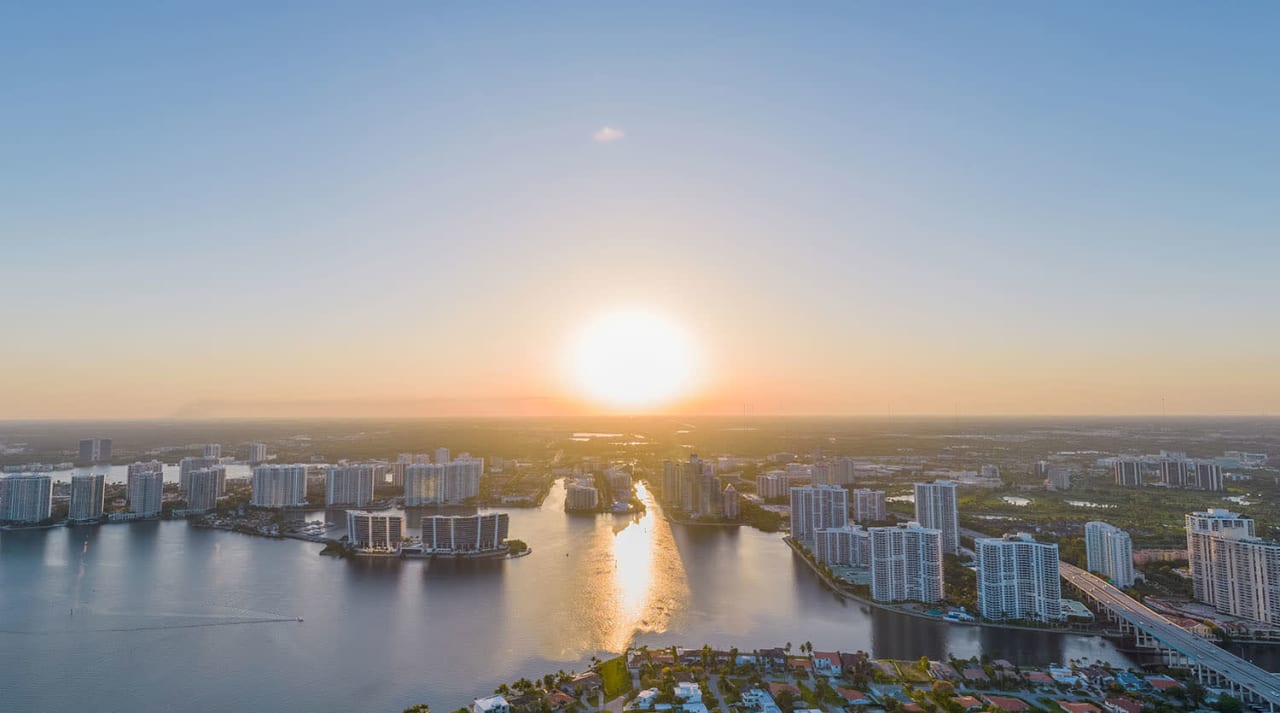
(1078, 707)
(1012, 705)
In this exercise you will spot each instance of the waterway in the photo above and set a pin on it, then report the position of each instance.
(160, 616)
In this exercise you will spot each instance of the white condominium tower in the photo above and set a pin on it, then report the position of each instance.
(1128, 472)
(87, 495)
(936, 509)
(442, 455)
(279, 486)
(192, 463)
(146, 491)
(349, 485)
(205, 486)
(27, 497)
(1231, 569)
(257, 453)
(816, 507)
(213, 450)
(848, 546)
(439, 483)
(457, 534)
(838, 471)
(868, 506)
(906, 563)
(372, 532)
(1110, 552)
(1018, 579)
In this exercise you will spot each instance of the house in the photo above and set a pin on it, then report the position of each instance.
(826, 663)
(588, 683)
(1007, 704)
(530, 701)
(852, 663)
(968, 703)
(759, 701)
(943, 671)
(559, 699)
(1120, 704)
(644, 700)
(799, 663)
(1077, 707)
(1038, 678)
(1163, 683)
(490, 704)
(852, 697)
(772, 657)
(776, 689)
(975, 674)
(887, 693)
(688, 692)
(694, 707)
(1004, 666)
(1063, 675)
(1128, 681)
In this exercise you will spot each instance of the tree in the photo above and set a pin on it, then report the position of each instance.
(418, 708)
(787, 648)
(1228, 704)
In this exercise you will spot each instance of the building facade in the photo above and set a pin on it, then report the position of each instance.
(257, 453)
(1232, 569)
(847, 546)
(26, 497)
(442, 483)
(88, 493)
(279, 486)
(868, 506)
(205, 486)
(906, 563)
(455, 534)
(1110, 552)
(95, 450)
(816, 507)
(375, 533)
(1018, 579)
(145, 489)
(349, 485)
(936, 509)
(1128, 472)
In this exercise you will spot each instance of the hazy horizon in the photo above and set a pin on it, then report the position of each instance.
(402, 210)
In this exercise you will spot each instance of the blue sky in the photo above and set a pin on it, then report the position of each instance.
(996, 207)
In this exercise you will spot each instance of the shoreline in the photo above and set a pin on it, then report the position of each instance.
(840, 591)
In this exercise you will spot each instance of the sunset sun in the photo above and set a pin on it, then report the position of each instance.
(631, 360)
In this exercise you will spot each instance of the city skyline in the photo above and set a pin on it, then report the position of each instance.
(852, 210)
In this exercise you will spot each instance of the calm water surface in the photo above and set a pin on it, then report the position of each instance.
(170, 617)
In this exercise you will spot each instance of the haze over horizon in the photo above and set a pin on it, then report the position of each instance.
(398, 210)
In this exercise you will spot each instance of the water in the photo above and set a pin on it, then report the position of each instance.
(172, 617)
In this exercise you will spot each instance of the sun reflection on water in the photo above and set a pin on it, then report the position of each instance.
(647, 577)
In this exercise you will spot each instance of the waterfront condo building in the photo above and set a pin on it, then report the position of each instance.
(257, 453)
(279, 486)
(848, 546)
(213, 450)
(442, 483)
(1110, 552)
(145, 488)
(581, 496)
(936, 509)
(1128, 472)
(190, 464)
(1232, 569)
(868, 506)
(682, 483)
(730, 503)
(205, 486)
(906, 563)
(1018, 579)
(95, 450)
(838, 471)
(442, 455)
(472, 534)
(772, 486)
(88, 492)
(816, 507)
(375, 533)
(349, 485)
(26, 497)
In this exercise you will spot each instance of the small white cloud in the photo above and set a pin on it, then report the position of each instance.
(607, 134)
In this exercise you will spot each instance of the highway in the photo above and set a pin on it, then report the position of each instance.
(1263, 684)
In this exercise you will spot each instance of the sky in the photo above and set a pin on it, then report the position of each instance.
(412, 209)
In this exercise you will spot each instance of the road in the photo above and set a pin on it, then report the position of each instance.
(1262, 683)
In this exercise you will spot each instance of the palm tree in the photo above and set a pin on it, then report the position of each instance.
(787, 648)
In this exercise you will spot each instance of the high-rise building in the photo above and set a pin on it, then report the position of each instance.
(1040, 470)
(710, 495)
(815, 507)
(849, 546)
(730, 504)
(349, 485)
(581, 496)
(837, 471)
(151, 466)
(442, 455)
(1232, 569)
(1128, 472)
(146, 490)
(26, 497)
(442, 483)
(1018, 579)
(205, 486)
(279, 486)
(375, 533)
(257, 453)
(95, 450)
(906, 563)
(1058, 478)
(936, 509)
(1110, 552)
(868, 506)
(1208, 475)
(213, 450)
(455, 534)
(88, 492)
(190, 464)
(772, 486)
(1173, 473)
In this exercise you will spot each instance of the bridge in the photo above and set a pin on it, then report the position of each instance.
(1212, 665)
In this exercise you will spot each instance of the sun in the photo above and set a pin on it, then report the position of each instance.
(631, 360)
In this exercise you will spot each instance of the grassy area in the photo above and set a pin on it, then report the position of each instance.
(616, 679)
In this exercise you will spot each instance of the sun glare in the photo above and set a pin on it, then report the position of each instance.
(631, 360)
